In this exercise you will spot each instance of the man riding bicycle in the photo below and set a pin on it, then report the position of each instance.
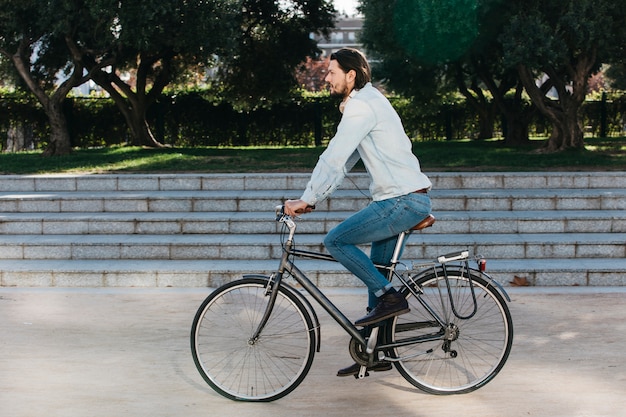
(370, 130)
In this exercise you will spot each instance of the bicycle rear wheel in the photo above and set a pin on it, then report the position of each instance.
(235, 365)
(467, 352)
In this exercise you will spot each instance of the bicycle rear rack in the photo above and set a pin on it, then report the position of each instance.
(441, 267)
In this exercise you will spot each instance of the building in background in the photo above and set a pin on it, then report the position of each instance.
(344, 35)
(310, 74)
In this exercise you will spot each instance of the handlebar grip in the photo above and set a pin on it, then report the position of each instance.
(308, 209)
(280, 210)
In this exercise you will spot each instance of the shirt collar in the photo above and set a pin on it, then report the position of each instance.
(342, 105)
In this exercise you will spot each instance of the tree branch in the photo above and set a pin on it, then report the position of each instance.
(20, 59)
(537, 96)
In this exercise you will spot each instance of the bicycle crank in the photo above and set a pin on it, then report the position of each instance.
(358, 352)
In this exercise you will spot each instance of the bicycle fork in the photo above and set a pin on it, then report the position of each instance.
(272, 289)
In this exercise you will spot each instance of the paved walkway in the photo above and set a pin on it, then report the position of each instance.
(125, 353)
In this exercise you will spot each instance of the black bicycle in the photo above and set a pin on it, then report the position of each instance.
(254, 339)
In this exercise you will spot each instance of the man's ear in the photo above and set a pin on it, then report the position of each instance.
(351, 75)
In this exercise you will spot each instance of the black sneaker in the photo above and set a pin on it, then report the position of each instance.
(390, 304)
(355, 368)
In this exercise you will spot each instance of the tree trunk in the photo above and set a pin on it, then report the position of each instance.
(19, 137)
(486, 109)
(562, 113)
(142, 134)
(515, 128)
(53, 104)
(515, 114)
(566, 133)
(486, 118)
(133, 107)
(60, 143)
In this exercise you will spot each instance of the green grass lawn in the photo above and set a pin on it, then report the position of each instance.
(600, 155)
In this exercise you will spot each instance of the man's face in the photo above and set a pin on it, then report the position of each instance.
(340, 82)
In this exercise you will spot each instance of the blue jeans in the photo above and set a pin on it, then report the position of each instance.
(379, 223)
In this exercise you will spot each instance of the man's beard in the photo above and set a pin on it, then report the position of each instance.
(338, 94)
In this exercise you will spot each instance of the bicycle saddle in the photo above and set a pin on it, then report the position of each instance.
(427, 222)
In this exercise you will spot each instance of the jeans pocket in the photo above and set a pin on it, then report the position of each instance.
(411, 210)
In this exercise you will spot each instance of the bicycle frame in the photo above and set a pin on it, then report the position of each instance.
(286, 265)
(276, 280)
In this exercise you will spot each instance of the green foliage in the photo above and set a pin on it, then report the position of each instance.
(37, 32)
(21, 107)
(544, 34)
(195, 119)
(38, 39)
(616, 75)
(418, 45)
(563, 42)
(156, 41)
(274, 37)
(612, 111)
(435, 31)
(198, 118)
(191, 31)
(402, 72)
(95, 122)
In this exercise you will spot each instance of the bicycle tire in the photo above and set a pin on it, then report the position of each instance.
(237, 367)
(481, 344)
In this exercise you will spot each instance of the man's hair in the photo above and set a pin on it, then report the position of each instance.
(352, 59)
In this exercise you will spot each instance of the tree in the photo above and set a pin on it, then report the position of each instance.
(616, 74)
(310, 74)
(435, 31)
(430, 48)
(154, 41)
(274, 39)
(402, 71)
(34, 37)
(470, 86)
(484, 65)
(256, 43)
(562, 43)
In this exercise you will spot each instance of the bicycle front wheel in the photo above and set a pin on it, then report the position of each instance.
(472, 345)
(240, 367)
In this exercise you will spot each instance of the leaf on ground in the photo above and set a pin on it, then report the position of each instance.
(519, 282)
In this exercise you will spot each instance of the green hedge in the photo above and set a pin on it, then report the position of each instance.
(193, 119)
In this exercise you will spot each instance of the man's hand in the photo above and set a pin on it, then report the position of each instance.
(295, 207)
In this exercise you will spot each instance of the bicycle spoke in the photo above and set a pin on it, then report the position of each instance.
(241, 368)
(474, 347)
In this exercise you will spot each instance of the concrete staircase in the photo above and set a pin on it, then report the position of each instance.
(194, 230)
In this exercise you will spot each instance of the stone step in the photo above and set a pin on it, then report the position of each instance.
(297, 181)
(264, 200)
(212, 273)
(205, 229)
(537, 221)
(267, 246)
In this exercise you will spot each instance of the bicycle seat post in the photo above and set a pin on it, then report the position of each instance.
(396, 252)
(428, 221)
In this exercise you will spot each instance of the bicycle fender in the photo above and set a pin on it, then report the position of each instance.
(494, 282)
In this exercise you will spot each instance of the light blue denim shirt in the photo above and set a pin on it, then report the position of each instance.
(370, 129)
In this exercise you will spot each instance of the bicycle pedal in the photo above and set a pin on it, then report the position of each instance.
(358, 376)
